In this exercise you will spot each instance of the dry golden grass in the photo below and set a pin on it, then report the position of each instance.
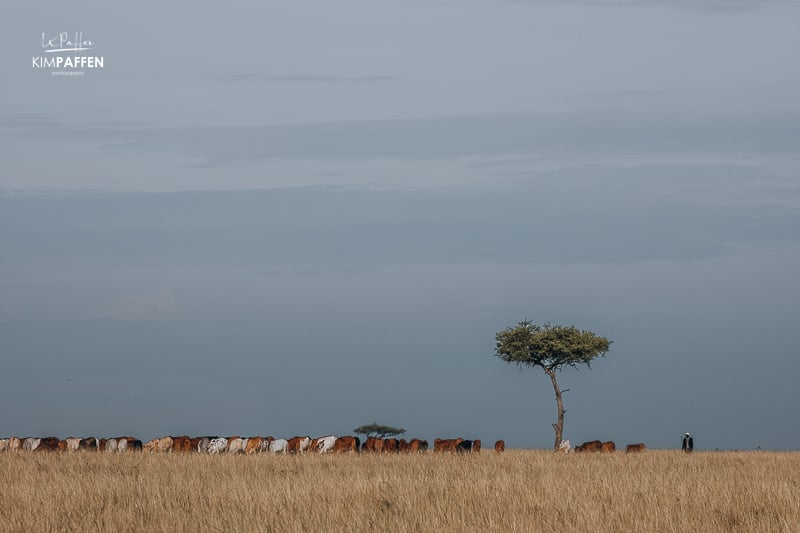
(516, 491)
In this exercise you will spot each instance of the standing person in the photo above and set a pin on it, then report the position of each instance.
(688, 443)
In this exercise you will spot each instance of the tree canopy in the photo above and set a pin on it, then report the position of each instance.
(378, 430)
(550, 347)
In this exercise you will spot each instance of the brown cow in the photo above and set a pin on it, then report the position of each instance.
(608, 447)
(341, 445)
(164, 444)
(62, 445)
(298, 444)
(390, 445)
(417, 445)
(446, 445)
(590, 446)
(635, 448)
(346, 444)
(500, 446)
(373, 444)
(253, 445)
(47, 444)
(402, 446)
(476, 445)
(182, 444)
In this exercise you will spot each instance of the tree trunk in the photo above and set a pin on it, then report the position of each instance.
(559, 426)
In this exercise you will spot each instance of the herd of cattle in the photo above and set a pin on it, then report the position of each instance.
(251, 445)
(600, 446)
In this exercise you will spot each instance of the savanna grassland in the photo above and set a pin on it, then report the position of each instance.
(515, 491)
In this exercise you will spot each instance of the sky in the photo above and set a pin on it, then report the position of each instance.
(285, 219)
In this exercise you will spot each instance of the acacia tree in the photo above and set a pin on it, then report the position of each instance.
(551, 348)
(379, 430)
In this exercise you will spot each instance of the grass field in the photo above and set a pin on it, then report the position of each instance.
(515, 491)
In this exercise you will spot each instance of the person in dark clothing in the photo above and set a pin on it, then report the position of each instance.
(688, 443)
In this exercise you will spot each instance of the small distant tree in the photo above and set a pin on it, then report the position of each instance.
(378, 430)
(551, 348)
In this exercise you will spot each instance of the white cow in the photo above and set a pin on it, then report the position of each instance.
(73, 443)
(122, 445)
(30, 444)
(111, 445)
(304, 443)
(202, 446)
(278, 446)
(3, 444)
(564, 447)
(325, 444)
(236, 445)
(218, 445)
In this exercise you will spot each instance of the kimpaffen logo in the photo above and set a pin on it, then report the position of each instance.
(63, 54)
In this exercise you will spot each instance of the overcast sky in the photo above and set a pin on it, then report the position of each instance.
(272, 218)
